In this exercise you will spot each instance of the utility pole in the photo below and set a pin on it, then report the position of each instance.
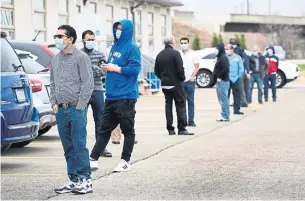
(269, 7)
(248, 7)
(132, 10)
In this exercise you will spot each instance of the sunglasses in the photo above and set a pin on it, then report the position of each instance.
(59, 36)
(90, 40)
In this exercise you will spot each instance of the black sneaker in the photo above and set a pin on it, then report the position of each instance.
(67, 188)
(106, 154)
(191, 124)
(171, 132)
(84, 187)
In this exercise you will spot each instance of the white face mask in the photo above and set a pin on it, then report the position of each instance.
(270, 52)
(90, 45)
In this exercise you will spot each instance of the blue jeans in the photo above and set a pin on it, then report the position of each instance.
(71, 124)
(272, 79)
(235, 86)
(222, 89)
(189, 88)
(97, 104)
(256, 77)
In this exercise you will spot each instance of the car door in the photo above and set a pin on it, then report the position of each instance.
(16, 97)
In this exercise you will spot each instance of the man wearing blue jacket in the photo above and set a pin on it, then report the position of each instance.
(235, 75)
(122, 70)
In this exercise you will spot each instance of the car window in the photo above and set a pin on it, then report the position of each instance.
(8, 57)
(210, 56)
(31, 66)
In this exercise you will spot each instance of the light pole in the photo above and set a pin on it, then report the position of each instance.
(248, 8)
(269, 7)
(134, 17)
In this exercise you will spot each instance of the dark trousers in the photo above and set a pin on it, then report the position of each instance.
(175, 94)
(71, 125)
(189, 88)
(270, 78)
(244, 91)
(97, 104)
(235, 86)
(117, 112)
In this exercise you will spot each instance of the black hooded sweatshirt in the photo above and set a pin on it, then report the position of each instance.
(222, 66)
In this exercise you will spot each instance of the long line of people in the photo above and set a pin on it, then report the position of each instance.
(76, 83)
(237, 70)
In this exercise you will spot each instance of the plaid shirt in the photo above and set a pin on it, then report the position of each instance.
(71, 78)
(98, 73)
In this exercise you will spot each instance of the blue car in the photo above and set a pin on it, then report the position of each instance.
(19, 118)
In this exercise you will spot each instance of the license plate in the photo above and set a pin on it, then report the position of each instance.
(20, 95)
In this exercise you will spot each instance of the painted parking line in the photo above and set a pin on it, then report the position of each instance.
(31, 157)
(28, 174)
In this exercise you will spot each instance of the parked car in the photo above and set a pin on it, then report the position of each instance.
(41, 50)
(41, 99)
(19, 117)
(287, 71)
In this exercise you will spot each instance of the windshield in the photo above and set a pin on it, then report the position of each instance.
(8, 57)
(31, 66)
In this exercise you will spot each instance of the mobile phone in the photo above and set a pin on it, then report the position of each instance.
(101, 62)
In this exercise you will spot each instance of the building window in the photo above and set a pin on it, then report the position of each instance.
(63, 12)
(163, 25)
(93, 7)
(39, 19)
(124, 13)
(7, 18)
(150, 24)
(138, 22)
(79, 6)
(109, 19)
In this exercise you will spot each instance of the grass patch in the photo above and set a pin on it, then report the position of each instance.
(302, 67)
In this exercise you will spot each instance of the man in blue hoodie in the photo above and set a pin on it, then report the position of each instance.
(122, 70)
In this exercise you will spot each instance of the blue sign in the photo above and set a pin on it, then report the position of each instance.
(97, 32)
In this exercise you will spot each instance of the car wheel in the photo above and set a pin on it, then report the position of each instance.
(280, 79)
(44, 130)
(204, 79)
(5, 147)
(21, 144)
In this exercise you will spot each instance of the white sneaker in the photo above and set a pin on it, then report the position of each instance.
(222, 119)
(93, 164)
(123, 166)
(84, 187)
(67, 188)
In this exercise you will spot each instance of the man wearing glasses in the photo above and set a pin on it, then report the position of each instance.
(97, 98)
(191, 68)
(122, 70)
(71, 83)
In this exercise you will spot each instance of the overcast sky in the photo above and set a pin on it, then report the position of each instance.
(281, 7)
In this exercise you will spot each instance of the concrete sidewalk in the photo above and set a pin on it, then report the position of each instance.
(258, 157)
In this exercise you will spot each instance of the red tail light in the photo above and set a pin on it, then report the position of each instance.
(36, 85)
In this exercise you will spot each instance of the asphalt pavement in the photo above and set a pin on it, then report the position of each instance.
(256, 156)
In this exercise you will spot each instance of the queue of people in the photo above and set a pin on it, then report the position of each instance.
(76, 82)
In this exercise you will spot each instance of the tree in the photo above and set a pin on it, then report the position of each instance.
(220, 39)
(214, 40)
(243, 41)
(196, 43)
(237, 37)
(287, 36)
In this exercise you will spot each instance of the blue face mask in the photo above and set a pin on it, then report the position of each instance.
(118, 34)
(184, 47)
(228, 52)
(90, 45)
(60, 44)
